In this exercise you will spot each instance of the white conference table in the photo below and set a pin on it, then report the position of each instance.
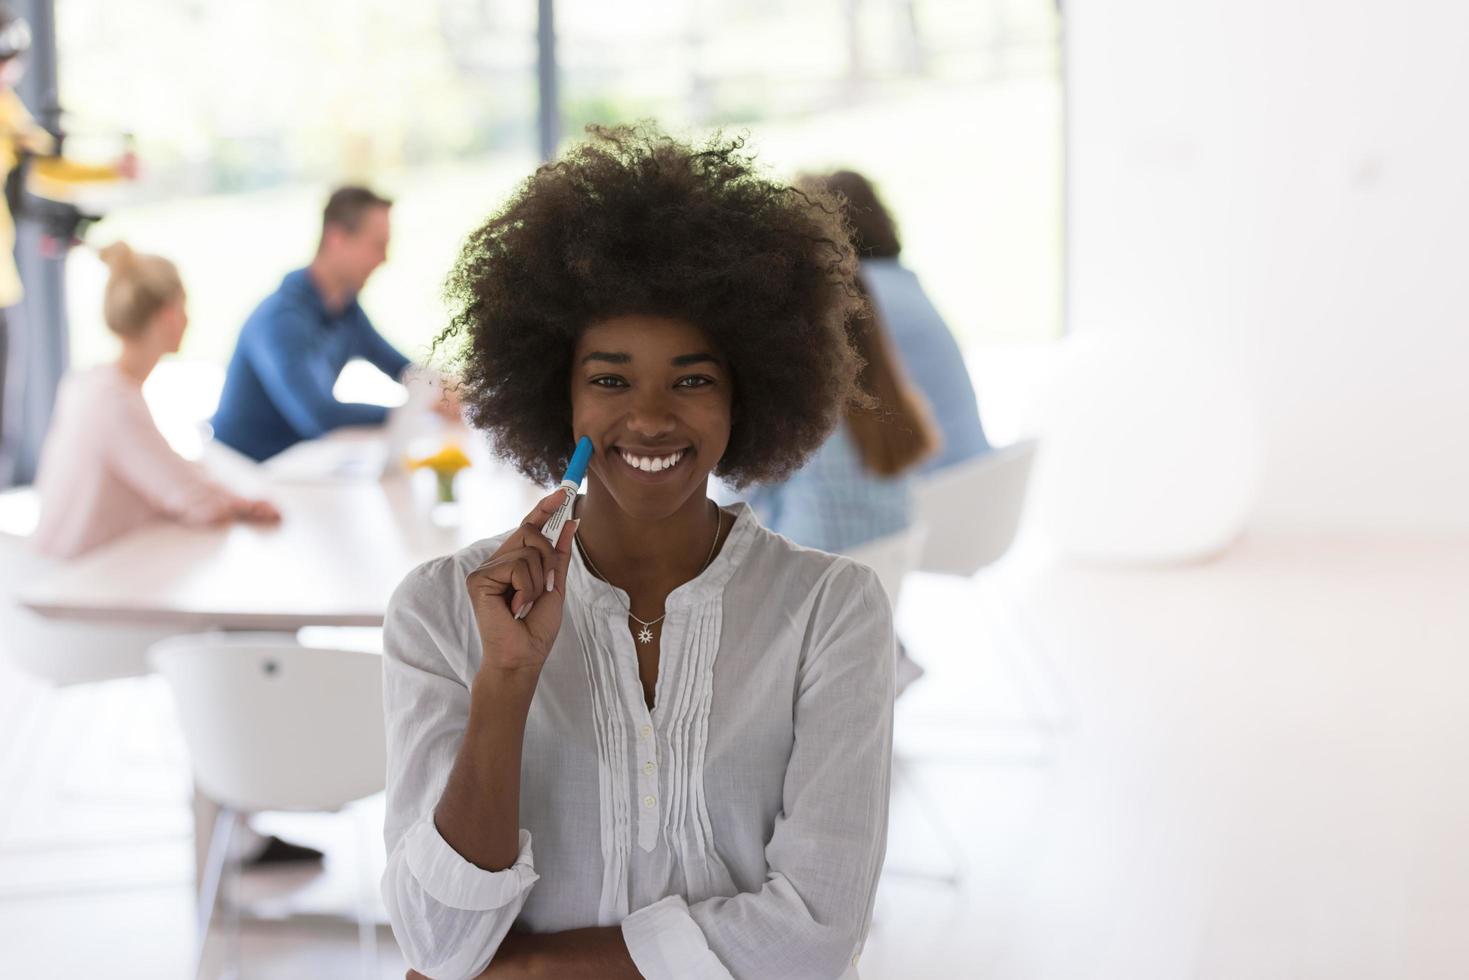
(340, 550)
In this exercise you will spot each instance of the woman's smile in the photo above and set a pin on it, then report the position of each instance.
(652, 465)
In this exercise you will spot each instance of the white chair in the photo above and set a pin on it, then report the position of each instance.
(973, 512)
(893, 557)
(273, 725)
(973, 509)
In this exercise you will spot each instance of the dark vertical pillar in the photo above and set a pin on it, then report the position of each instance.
(550, 107)
(38, 349)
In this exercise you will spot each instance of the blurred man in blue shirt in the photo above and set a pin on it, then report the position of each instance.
(278, 389)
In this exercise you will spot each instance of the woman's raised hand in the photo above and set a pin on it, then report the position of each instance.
(518, 592)
(258, 512)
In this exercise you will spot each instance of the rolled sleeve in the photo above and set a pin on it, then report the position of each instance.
(667, 944)
(448, 915)
(455, 882)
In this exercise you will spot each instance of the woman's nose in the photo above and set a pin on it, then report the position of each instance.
(650, 416)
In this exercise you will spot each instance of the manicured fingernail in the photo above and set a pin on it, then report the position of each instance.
(528, 607)
(551, 580)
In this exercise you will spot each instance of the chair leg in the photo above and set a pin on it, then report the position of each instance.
(366, 921)
(214, 870)
(232, 915)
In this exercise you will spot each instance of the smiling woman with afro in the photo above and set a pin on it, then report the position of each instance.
(659, 745)
(632, 221)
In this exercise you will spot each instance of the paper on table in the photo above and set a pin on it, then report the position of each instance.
(345, 455)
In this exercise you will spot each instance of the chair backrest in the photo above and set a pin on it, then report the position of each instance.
(893, 557)
(56, 652)
(973, 509)
(273, 725)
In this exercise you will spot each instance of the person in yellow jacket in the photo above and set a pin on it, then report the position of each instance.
(20, 135)
(48, 175)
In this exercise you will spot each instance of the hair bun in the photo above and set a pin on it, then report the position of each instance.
(118, 255)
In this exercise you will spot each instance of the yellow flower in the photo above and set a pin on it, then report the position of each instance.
(446, 462)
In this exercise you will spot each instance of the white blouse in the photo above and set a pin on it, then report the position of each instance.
(736, 830)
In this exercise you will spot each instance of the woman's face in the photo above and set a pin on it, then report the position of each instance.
(654, 396)
(169, 324)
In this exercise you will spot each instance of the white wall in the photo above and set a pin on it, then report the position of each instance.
(1291, 180)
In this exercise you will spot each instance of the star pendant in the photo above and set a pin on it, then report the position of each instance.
(645, 635)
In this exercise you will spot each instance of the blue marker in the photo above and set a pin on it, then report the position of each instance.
(570, 484)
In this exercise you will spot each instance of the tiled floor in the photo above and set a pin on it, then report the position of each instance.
(1251, 768)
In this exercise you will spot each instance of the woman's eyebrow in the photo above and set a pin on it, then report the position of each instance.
(601, 355)
(703, 357)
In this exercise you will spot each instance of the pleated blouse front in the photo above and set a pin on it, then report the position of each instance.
(735, 829)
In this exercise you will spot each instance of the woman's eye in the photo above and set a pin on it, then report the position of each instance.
(694, 381)
(608, 381)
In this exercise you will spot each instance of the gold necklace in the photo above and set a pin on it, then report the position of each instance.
(645, 635)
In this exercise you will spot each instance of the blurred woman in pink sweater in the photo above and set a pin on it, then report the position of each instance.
(105, 468)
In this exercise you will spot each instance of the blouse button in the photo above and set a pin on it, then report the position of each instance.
(649, 802)
(650, 767)
(645, 731)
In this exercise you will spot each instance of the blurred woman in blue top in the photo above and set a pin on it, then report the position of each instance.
(926, 346)
(857, 488)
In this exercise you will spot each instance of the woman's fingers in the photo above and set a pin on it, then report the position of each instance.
(532, 538)
(526, 568)
(550, 618)
(567, 541)
(530, 535)
(518, 575)
(529, 577)
(560, 560)
(543, 511)
(525, 577)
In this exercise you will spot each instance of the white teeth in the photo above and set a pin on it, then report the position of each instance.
(652, 464)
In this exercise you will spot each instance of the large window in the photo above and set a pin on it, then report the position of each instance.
(244, 114)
